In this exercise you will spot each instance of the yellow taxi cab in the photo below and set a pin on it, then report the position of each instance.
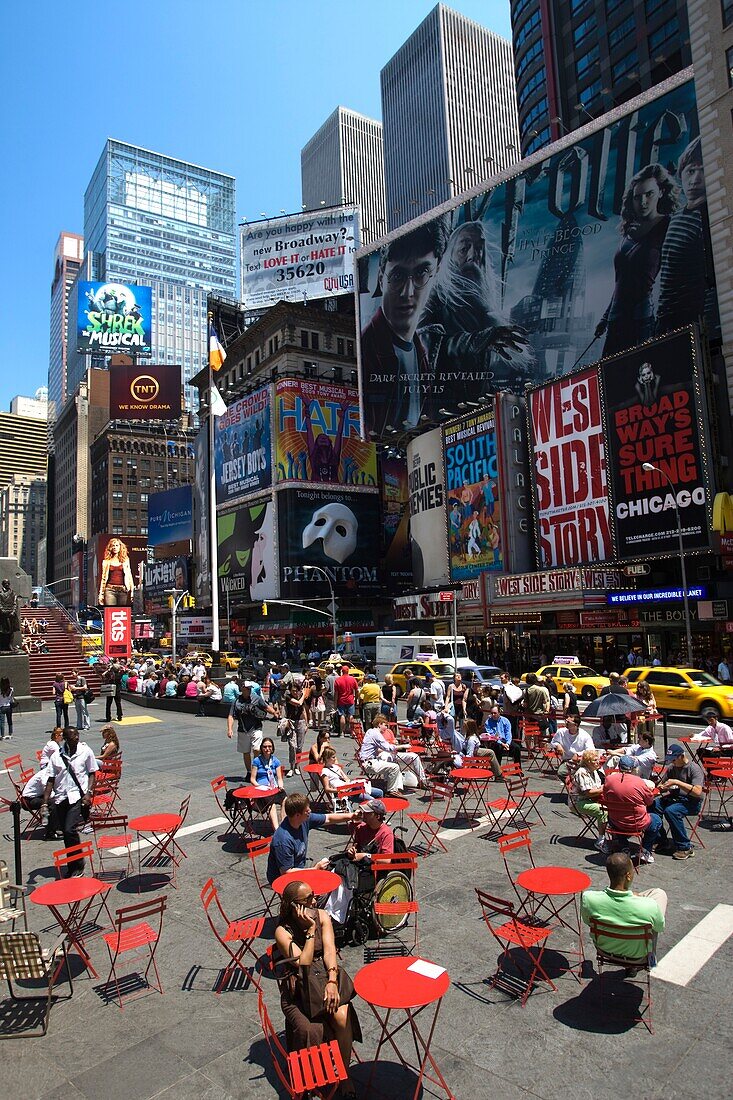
(685, 690)
(200, 655)
(586, 681)
(325, 670)
(420, 669)
(230, 660)
(148, 656)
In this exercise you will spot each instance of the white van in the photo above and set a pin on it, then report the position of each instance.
(446, 648)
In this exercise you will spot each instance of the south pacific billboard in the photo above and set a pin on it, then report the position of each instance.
(585, 253)
(243, 448)
(299, 256)
(114, 317)
(318, 435)
(473, 495)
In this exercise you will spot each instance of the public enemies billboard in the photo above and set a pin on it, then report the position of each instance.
(318, 435)
(570, 471)
(426, 486)
(334, 529)
(592, 250)
(149, 393)
(246, 540)
(473, 497)
(114, 317)
(299, 256)
(243, 448)
(656, 414)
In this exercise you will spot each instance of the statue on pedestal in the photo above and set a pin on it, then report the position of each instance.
(9, 619)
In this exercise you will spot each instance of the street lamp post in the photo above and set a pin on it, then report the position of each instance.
(317, 569)
(649, 468)
(177, 599)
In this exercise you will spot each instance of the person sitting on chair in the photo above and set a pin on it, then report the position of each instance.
(316, 992)
(289, 844)
(587, 789)
(680, 785)
(620, 906)
(627, 797)
(333, 776)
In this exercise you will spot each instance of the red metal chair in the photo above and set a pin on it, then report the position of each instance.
(615, 833)
(233, 813)
(531, 939)
(511, 842)
(35, 820)
(589, 825)
(107, 841)
(532, 739)
(236, 937)
(427, 823)
(624, 936)
(13, 764)
(256, 849)
(133, 933)
(517, 803)
(64, 856)
(317, 1068)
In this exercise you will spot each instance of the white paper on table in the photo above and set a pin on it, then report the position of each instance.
(427, 969)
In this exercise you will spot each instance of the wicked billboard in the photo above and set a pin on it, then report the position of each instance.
(338, 531)
(247, 552)
(587, 252)
(655, 414)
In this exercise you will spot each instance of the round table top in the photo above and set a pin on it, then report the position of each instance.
(722, 773)
(251, 791)
(313, 769)
(320, 882)
(471, 773)
(155, 823)
(554, 880)
(389, 983)
(393, 804)
(67, 891)
(694, 740)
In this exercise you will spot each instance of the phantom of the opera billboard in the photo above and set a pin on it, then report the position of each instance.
(247, 553)
(656, 414)
(586, 253)
(318, 437)
(114, 317)
(472, 495)
(242, 448)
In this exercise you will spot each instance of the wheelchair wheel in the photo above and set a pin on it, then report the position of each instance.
(359, 931)
(395, 887)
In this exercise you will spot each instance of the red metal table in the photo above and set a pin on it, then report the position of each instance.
(79, 894)
(694, 744)
(547, 886)
(395, 805)
(320, 882)
(722, 780)
(161, 829)
(395, 985)
(472, 782)
(249, 795)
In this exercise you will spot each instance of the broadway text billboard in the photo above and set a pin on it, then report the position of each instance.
(317, 435)
(590, 251)
(114, 317)
(242, 448)
(473, 496)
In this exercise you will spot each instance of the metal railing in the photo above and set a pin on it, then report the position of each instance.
(46, 598)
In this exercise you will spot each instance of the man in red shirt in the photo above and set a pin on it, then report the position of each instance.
(372, 835)
(627, 797)
(345, 690)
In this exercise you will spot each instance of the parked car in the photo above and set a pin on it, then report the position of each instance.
(586, 681)
(685, 690)
(439, 669)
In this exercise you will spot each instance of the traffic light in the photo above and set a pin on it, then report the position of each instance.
(189, 601)
(264, 609)
(171, 601)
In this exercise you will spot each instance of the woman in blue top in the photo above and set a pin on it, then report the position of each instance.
(267, 771)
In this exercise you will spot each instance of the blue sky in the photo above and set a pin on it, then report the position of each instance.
(235, 85)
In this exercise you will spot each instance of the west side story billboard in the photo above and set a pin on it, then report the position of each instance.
(114, 317)
(298, 256)
(585, 253)
(243, 448)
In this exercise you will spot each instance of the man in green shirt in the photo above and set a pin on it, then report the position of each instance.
(620, 906)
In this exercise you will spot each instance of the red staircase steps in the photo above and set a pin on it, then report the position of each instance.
(65, 656)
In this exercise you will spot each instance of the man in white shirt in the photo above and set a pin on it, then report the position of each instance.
(572, 742)
(643, 754)
(70, 785)
(720, 741)
(199, 671)
(435, 688)
(31, 796)
(378, 755)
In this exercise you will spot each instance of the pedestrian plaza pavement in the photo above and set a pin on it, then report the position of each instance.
(192, 1043)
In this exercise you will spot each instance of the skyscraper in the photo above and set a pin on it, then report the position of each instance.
(158, 221)
(449, 112)
(67, 258)
(576, 59)
(344, 163)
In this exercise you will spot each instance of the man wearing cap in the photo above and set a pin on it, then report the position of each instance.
(372, 835)
(435, 688)
(345, 690)
(680, 785)
(369, 697)
(627, 797)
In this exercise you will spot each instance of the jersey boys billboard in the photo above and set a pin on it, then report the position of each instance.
(593, 250)
(114, 317)
(317, 436)
(570, 471)
(242, 448)
(473, 498)
(655, 413)
(299, 256)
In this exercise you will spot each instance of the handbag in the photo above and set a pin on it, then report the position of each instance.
(89, 696)
(67, 697)
(106, 689)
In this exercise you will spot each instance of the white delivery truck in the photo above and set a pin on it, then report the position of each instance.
(446, 648)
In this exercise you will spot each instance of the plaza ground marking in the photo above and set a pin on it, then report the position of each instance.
(683, 961)
(144, 719)
(466, 830)
(186, 830)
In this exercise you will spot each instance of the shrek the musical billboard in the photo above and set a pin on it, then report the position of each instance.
(587, 252)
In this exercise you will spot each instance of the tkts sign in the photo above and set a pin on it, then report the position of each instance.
(118, 632)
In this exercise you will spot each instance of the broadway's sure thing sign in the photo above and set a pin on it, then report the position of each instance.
(243, 448)
(570, 471)
(655, 413)
(474, 500)
(299, 256)
(317, 435)
(114, 317)
(521, 283)
(150, 393)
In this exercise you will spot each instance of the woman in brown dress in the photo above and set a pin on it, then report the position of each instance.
(316, 992)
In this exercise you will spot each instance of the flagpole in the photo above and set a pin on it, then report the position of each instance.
(214, 556)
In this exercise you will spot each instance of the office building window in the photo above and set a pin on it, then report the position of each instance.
(623, 30)
(624, 66)
(526, 29)
(729, 62)
(727, 11)
(584, 28)
(590, 93)
(663, 35)
(584, 63)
